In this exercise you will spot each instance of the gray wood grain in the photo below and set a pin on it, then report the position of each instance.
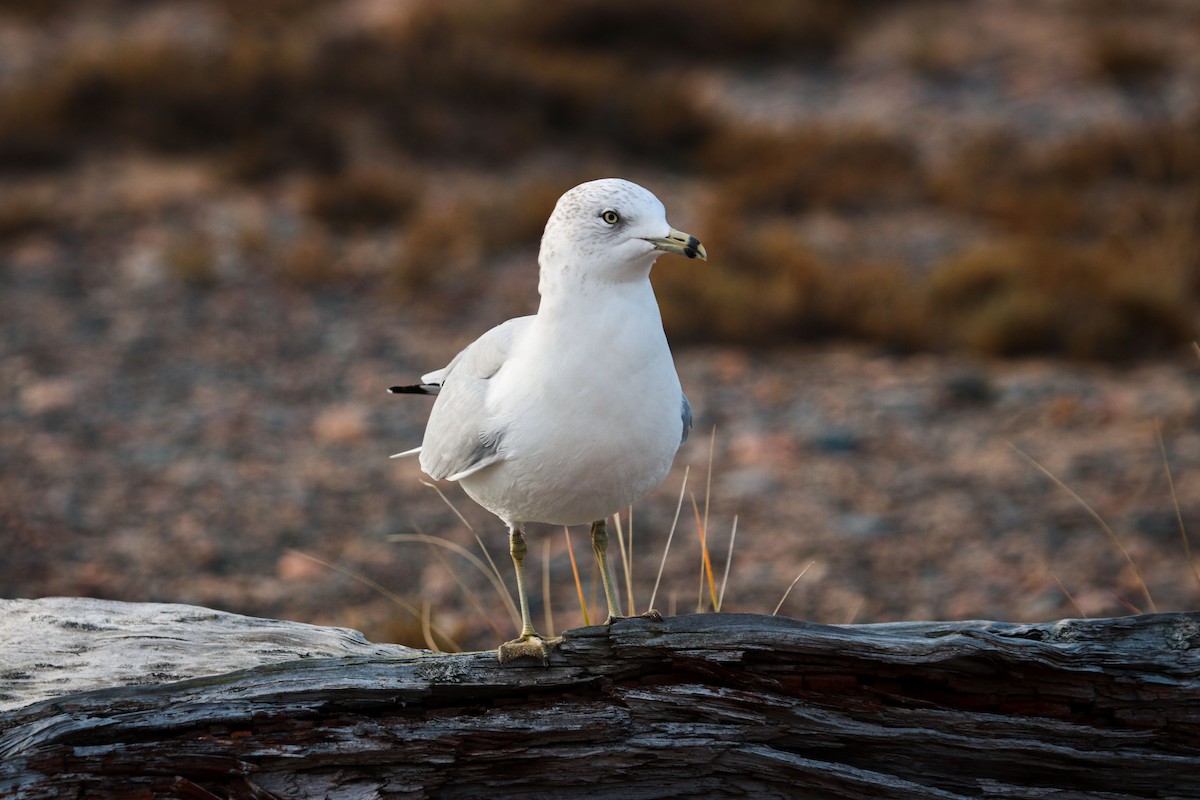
(694, 706)
(59, 645)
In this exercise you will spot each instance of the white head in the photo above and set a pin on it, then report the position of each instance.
(608, 231)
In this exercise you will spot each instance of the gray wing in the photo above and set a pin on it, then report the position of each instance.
(459, 438)
(687, 420)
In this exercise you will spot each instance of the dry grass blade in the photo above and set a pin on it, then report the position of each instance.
(629, 566)
(627, 558)
(495, 571)
(427, 621)
(1187, 547)
(852, 614)
(712, 443)
(587, 620)
(1120, 599)
(451, 506)
(706, 569)
(547, 601)
(475, 561)
(670, 536)
(791, 586)
(469, 593)
(390, 595)
(728, 562)
(595, 583)
(486, 553)
(1116, 540)
(1070, 598)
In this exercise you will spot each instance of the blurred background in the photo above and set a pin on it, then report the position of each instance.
(942, 235)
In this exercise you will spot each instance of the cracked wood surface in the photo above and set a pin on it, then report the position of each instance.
(711, 705)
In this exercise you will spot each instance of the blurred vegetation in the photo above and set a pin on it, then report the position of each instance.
(389, 130)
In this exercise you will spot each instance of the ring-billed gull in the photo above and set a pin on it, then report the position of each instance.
(571, 414)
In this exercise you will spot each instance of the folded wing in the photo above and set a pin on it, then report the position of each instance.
(460, 438)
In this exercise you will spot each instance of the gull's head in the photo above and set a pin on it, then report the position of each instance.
(611, 230)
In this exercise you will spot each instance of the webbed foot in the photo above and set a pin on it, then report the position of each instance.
(529, 645)
(651, 615)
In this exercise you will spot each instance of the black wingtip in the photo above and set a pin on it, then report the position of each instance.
(421, 388)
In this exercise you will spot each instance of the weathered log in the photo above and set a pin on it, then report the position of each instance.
(694, 706)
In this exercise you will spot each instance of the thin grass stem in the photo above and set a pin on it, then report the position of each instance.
(388, 593)
(791, 586)
(706, 569)
(427, 624)
(452, 507)
(469, 593)
(712, 444)
(587, 620)
(1070, 598)
(1187, 547)
(625, 560)
(706, 564)
(728, 561)
(1116, 540)
(475, 561)
(629, 566)
(593, 599)
(670, 536)
(1123, 601)
(547, 601)
(507, 597)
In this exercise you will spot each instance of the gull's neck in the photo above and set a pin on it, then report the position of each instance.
(565, 280)
(573, 298)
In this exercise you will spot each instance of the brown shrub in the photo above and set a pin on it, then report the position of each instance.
(481, 82)
(759, 287)
(995, 176)
(799, 30)
(881, 303)
(440, 92)
(35, 10)
(1118, 45)
(1068, 189)
(1123, 58)
(1082, 301)
(26, 208)
(362, 198)
(851, 170)
(764, 286)
(190, 257)
(167, 98)
(446, 246)
(308, 260)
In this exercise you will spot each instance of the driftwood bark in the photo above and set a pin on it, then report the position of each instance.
(695, 706)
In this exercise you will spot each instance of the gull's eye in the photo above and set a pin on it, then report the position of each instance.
(610, 216)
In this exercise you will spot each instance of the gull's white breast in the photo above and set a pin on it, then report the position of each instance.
(594, 409)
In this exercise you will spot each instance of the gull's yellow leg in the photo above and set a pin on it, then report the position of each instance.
(600, 546)
(529, 644)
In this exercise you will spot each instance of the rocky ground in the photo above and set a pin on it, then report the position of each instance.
(195, 339)
(163, 444)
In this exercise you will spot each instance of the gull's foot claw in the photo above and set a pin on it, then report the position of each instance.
(651, 615)
(527, 646)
